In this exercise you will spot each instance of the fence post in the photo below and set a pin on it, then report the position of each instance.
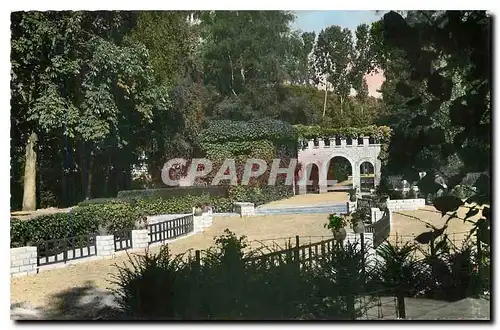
(479, 255)
(296, 252)
(363, 263)
(401, 306)
(65, 252)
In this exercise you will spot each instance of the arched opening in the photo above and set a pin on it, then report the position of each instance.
(312, 174)
(339, 175)
(367, 178)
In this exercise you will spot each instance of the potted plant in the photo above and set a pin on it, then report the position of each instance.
(198, 210)
(359, 218)
(336, 224)
(352, 194)
(205, 207)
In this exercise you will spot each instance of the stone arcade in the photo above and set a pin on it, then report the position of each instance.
(319, 152)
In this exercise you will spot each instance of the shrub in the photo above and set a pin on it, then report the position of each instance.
(260, 195)
(229, 130)
(167, 193)
(100, 201)
(51, 226)
(153, 287)
(113, 215)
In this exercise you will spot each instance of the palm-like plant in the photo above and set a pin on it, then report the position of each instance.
(399, 272)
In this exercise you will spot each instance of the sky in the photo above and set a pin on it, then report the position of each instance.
(316, 20)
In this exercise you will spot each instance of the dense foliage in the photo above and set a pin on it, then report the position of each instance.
(438, 92)
(227, 130)
(95, 94)
(110, 216)
(382, 134)
(224, 284)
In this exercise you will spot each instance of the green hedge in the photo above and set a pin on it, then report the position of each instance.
(123, 214)
(230, 130)
(51, 226)
(113, 215)
(166, 193)
(260, 195)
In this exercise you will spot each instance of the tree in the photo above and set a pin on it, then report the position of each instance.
(363, 62)
(447, 85)
(244, 56)
(74, 76)
(333, 58)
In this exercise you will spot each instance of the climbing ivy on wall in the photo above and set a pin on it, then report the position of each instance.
(239, 140)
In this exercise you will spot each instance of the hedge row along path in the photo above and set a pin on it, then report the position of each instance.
(39, 290)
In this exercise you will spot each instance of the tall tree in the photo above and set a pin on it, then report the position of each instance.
(244, 55)
(73, 76)
(333, 58)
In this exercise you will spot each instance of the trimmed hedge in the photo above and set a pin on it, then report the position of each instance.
(260, 195)
(167, 193)
(219, 131)
(118, 214)
(112, 215)
(51, 226)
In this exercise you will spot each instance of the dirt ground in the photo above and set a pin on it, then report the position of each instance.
(38, 289)
(312, 199)
(406, 227)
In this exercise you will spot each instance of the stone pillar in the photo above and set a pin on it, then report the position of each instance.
(209, 218)
(244, 208)
(310, 144)
(351, 206)
(376, 214)
(366, 141)
(356, 177)
(105, 245)
(343, 143)
(323, 176)
(140, 238)
(23, 261)
(302, 188)
(377, 171)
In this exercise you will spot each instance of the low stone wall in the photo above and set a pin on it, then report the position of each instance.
(23, 261)
(105, 245)
(244, 208)
(351, 206)
(405, 204)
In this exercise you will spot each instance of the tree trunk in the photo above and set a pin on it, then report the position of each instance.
(341, 104)
(324, 104)
(106, 177)
(88, 191)
(29, 192)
